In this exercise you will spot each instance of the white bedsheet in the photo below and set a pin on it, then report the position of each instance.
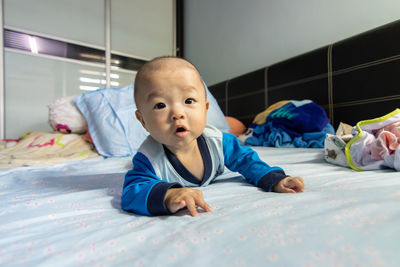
(69, 215)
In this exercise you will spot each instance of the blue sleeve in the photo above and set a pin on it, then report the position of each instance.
(143, 192)
(245, 160)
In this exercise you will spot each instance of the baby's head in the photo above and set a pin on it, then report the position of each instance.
(171, 101)
(147, 72)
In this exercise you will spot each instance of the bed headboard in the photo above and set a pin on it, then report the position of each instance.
(354, 79)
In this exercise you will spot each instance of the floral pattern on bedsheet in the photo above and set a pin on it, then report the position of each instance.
(69, 215)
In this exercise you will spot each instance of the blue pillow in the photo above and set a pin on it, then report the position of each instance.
(215, 116)
(115, 131)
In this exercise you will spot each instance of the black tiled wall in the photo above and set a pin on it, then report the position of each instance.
(376, 44)
(374, 81)
(361, 73)
(218, 91)
(370, 110)
(310, 65)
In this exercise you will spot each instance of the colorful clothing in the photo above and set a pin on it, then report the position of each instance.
(370, 149)
(373, 144)
(289, 124)
(156, 169)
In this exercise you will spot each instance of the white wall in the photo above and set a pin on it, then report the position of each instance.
(227, 38)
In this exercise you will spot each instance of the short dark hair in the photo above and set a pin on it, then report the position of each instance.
(149, 66)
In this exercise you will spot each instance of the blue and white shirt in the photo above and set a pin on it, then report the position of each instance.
(156, 169)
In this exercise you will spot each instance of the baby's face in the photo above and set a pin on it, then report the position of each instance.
(172, 106)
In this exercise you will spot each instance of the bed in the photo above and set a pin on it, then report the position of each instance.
(69, 214)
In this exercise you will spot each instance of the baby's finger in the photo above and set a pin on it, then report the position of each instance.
(287, 190)
(297, 184)
(302, 182)
(202, 204)
(282, 188)
(177, 206)
(191, 206)
(299, 180)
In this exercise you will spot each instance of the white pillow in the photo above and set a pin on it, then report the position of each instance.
(65, 117)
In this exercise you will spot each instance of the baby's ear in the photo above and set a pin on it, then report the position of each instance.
(207, 105)
(140, 118)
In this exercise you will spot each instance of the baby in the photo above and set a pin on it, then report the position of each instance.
(181, 150)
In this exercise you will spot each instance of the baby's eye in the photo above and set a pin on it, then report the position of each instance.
(159, 106)
(189, 101)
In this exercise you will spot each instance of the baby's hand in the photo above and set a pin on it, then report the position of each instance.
(290, 185)
(178, 198)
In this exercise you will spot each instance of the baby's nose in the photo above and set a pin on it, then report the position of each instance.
(177, 112)
(178, 116)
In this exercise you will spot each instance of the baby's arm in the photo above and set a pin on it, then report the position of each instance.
(143, 192)
(290, 185)
(245, 160)
(179, 198)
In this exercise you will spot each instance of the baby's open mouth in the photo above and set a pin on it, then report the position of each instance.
(180, 129)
